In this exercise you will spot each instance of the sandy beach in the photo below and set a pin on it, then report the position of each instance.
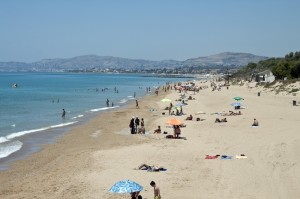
(89, 159)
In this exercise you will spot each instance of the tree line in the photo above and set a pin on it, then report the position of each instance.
(287, 67)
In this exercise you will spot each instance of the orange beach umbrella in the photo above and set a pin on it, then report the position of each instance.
(174, 121)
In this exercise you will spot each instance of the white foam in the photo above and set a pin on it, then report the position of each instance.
(103, 109)
(21, 133)
(9, 148)
(3, 139)
(123, 101)
(78, 116)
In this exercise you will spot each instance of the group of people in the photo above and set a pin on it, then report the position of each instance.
(137, 126)
(156, 190)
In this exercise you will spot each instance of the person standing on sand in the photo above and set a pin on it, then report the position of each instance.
(142, 122)
(137, 123)
(131, 125)
(156, 190)
(136, 104)
(63, 115)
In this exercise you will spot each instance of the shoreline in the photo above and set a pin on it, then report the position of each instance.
(52, 133)
(86, 162)
(62, 136)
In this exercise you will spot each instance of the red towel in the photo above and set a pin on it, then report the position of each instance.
(211, 156)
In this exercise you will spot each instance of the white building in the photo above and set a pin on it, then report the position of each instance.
(265, 76)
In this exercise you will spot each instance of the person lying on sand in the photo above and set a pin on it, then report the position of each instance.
(150, 168)
(231, 113)
(190, 98)
(220, 121)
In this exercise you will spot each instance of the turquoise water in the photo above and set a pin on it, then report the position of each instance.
(35, 106)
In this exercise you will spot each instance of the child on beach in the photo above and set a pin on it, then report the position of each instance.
(255, 122)
(156, 190)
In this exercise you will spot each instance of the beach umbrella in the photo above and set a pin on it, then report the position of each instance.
(180, 104)
(176, 107)
(166, 100)
(174, 121)
(125, 186)
(236, 104)
(238, 98)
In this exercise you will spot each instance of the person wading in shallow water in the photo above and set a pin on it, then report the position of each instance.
(63, 115)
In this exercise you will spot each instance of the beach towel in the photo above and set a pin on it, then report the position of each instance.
(226, 157)
(155, 169)
(242, 156)
(211, 156)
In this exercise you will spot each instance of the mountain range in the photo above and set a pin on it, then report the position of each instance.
(226, 59)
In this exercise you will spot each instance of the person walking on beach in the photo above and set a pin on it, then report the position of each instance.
(136, 104)
(156, 190)
(63, 115)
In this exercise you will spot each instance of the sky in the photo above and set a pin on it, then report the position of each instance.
(32, 30)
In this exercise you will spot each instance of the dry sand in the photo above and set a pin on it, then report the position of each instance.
(86, 162)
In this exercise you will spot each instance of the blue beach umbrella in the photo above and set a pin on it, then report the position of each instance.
(235, 104)
(125, 186)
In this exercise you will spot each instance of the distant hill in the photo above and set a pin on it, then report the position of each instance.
(225, 59)
(93, 61)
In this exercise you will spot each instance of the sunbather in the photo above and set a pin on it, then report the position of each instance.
(220, 121)
(141, 130)
(158, 130)
(255, 122)
(150, 168)
(224, 120)
(189, 117)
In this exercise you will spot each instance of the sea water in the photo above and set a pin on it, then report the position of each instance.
(35, 105)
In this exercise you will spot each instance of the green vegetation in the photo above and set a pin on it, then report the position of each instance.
(294, 90)
(287, 67)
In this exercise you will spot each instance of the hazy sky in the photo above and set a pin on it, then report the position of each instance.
(31, 30)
